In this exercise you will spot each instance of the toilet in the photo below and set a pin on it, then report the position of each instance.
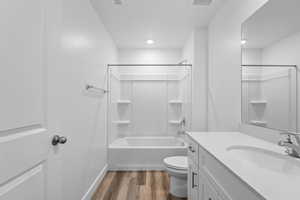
(177, 168)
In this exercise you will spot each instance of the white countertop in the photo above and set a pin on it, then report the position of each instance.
(279, 183)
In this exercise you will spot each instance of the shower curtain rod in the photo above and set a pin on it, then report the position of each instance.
(149, 65)
(269, 66)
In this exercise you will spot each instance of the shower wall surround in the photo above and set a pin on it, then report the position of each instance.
(148, 100)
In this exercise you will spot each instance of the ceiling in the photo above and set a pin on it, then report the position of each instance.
(276, 20)
(167, 22)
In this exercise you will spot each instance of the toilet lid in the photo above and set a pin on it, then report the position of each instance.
(177, 162)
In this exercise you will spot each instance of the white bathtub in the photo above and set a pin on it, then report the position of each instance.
(143, 153)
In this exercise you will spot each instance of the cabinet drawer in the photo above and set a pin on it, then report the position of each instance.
(192, 150)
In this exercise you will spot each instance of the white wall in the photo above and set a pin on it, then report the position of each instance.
(280, 94)
(195, 52)
(78, 49)
(149, 56)
(284, 52)
(251, 56)
(224, 84)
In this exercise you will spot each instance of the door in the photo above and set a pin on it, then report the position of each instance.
(210, 193)
(24, 139)
(193, 181)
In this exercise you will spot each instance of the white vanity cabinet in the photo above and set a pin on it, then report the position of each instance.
(193, 183)
(209, 193)
(195, 178)
(193, 171)
(214, 180)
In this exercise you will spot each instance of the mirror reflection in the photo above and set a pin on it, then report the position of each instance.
(270, 56)
(269, 96)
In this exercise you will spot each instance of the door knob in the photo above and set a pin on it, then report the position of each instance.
(58, 140)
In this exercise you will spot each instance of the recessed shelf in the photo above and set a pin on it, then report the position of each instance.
(123, 101)
(258, 102)
(259, 123)
(175, 102)
(174, 121)
(121, 122)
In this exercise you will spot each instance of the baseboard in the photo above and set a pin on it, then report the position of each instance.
(88, 195)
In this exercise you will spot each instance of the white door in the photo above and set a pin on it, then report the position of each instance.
(193, 181)
(210, 193)
(24, 140)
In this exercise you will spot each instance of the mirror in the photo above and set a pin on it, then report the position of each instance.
(270, 43)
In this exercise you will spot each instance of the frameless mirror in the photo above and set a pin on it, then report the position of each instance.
(270, 55)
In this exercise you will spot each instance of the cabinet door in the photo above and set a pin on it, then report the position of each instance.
(210, 193)
(193, 182)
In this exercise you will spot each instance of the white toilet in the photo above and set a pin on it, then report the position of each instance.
(177, 168)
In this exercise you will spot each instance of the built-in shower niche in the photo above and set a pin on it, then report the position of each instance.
(148, 100)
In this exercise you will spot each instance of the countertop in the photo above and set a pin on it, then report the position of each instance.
(278, 182)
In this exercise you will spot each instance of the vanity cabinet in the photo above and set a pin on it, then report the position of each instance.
(193, 176)
(193, 183)
(209, 193)
(215, 181)
(193, 149)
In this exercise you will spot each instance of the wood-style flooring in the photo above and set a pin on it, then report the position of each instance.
(143, 185)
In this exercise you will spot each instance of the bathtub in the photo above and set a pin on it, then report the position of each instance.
(143, 153)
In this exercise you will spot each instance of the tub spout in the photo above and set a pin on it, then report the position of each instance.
(292, 149)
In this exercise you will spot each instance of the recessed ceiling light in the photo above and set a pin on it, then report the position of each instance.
(243, 42)
(150, 42)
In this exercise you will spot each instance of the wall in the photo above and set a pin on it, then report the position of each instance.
(149, 56)
(251, 56)
(224, 84)
(195, 53)
(284, 52)
(78, 49)
(279, 93)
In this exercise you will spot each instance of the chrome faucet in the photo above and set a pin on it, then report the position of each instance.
(293, 149)
(182, 122)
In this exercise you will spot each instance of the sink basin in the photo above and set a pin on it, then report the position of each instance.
(266, 159)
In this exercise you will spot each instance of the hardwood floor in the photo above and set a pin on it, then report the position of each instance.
(144, 185)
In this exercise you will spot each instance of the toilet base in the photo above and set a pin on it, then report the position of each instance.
(178, 187)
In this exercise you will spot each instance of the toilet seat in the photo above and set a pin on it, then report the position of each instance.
(179, 163)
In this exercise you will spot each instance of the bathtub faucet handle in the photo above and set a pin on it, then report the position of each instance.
(182, 122)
